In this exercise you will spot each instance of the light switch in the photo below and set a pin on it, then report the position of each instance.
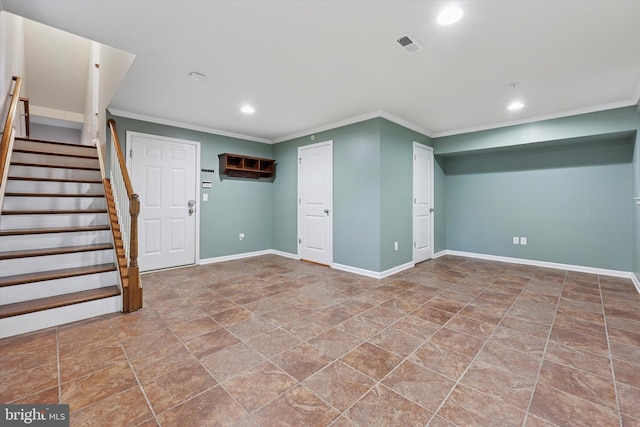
(205, 197)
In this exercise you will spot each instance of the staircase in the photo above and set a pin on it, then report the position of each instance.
(57, 260)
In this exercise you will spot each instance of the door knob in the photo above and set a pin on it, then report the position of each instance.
(191, 203)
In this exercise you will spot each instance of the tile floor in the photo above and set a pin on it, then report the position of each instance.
(271, 341)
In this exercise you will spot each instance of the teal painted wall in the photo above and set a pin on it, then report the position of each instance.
(566, 184)
(584, 125)
(396, 193)
(356, 193)
(489, 182)
(372, 193)
(570, 200)
(235, 205)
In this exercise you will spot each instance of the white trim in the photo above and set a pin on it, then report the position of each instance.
(568, 113)
(285, 254)
(356, 119)
(341, 267)
(405, 123)
(205, 129)
(546, 264)
(371, 273)
(198, 197)
(235, 257)
(636, 281)
(439, 254)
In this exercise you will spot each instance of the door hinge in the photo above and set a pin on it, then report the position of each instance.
(299, 241)
(299, 160)
(414, 244)
(300, 201)
(131, 153)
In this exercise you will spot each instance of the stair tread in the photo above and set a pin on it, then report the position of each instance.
(47, 141)
(48, 165)
(40, 276)
(41, 304)
(55, 153)
(54, 251)
(34, 178)
(54, 212)
(21, 231)
(23, 194)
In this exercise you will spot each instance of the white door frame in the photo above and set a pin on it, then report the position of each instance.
(127, 153)
(417, 145)
(299, 213)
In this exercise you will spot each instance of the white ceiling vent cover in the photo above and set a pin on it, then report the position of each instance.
(409, 44)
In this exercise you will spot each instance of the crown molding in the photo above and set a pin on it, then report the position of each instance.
(568, 113)
(356, 119)
(136, 116)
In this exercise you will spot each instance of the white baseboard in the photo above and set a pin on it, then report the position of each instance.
(234, 257)
(347, 268)
(636, 281)
(546, 264)
(439, 254)
(371, 273)
(285, 254)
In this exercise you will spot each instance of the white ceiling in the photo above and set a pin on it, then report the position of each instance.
(306, 64)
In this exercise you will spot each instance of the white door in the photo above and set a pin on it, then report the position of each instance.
(164, 172)
(315, 202)
(422, 202)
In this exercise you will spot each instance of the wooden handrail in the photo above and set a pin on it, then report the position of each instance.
(132, 298)
(121, 159)
(8, 126)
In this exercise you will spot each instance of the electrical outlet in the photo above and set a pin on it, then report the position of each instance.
(523, 240)
(241, 236)
(516, 241)
(395, 246)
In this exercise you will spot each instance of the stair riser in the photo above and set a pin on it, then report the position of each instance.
(56, 173)
(21, 203)
(16, 325)
(47, 159)
(55, 148)
(11, 222)
(10, 267)
(48, 288)
(19, 186)
(53, 240)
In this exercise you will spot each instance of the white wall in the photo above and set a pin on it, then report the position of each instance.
(12, 58)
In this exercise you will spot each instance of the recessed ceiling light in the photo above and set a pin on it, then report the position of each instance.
(197, 77)
(248, 109)
(515, 105)
(450, 15)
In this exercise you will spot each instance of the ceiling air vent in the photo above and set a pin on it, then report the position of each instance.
(409, 44)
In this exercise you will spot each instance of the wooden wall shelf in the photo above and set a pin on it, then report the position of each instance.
(239, 166)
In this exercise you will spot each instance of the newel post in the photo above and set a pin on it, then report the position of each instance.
(135, 290)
